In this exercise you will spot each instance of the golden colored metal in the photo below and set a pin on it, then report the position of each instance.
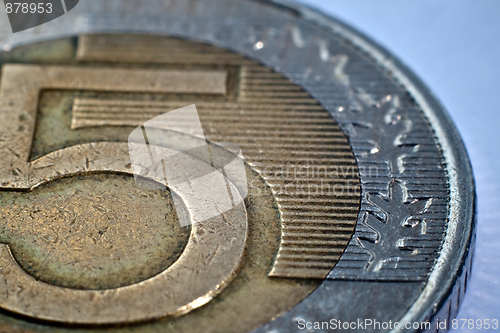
(73, 119)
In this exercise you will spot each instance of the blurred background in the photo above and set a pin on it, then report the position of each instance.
(454, 47)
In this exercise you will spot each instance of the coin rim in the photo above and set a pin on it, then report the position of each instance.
(447, 281)
(452, 268)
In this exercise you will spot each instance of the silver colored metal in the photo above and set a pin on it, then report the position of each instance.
(409, 153)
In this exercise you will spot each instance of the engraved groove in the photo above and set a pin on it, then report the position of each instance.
(278, 126)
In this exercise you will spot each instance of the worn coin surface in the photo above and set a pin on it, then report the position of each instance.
(360, 206)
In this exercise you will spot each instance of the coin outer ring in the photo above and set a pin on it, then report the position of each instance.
(445, 288)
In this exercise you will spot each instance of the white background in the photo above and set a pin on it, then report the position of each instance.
(454, 47)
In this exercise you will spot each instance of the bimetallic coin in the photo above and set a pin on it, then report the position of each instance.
(356, 210)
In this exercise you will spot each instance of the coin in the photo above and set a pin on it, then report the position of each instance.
(360, 201)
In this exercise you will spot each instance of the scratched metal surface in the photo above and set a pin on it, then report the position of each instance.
(450, 46)
(94, 21)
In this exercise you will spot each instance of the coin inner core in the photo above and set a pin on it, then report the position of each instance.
(92, 232)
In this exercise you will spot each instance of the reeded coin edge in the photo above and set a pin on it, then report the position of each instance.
(446, 286)
(447, 283)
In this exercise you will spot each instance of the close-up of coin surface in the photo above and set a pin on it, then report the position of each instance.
(224, 166)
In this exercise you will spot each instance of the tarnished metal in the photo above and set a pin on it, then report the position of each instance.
(353, 168)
